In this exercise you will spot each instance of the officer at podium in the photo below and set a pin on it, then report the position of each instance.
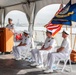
(10, 25)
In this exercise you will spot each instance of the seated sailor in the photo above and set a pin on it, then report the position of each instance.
(40, 55)
(61, 52)
(24, 45)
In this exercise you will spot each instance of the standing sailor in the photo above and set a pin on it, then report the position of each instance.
(24, 45)
(10, 25)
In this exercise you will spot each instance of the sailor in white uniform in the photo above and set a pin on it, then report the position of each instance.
(61, 52)
(10, 25)
(24, 45)
(38, 55)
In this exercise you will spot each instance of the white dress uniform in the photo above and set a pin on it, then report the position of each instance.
(52, 57)
(17, 49)
(11, 27)
(39, 55)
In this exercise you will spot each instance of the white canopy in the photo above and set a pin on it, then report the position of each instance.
(30, 7)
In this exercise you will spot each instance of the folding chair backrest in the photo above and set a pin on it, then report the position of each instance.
(65, 61)
(69, 53)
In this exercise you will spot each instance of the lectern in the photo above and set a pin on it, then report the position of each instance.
(6, 40)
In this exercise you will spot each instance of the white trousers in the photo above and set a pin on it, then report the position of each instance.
(52, 57)
(40, 56)
(17, 51)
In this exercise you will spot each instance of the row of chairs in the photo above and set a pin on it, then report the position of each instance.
(25, 54)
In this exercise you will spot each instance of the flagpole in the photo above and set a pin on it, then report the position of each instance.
(62, 1)
(66, 28)
(74, 41)
(71, 35)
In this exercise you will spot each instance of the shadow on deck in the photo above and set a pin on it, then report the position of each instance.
(9, 66)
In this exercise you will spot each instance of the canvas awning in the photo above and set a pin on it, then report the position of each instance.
(30, 7)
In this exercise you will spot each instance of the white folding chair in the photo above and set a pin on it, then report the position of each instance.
(65, 61)
(26, 53)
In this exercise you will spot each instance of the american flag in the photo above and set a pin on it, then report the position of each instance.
(55, 28)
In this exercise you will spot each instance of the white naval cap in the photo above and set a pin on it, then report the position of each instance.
(66, 31)
(49, 31)
(27, 32)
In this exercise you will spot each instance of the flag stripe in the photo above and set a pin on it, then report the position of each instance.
(55, 27)
(57, 31)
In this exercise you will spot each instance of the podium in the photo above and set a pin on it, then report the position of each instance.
(6, 40)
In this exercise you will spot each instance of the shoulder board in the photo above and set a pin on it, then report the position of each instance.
(28, 36)
(52, 38)
(7, 25)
